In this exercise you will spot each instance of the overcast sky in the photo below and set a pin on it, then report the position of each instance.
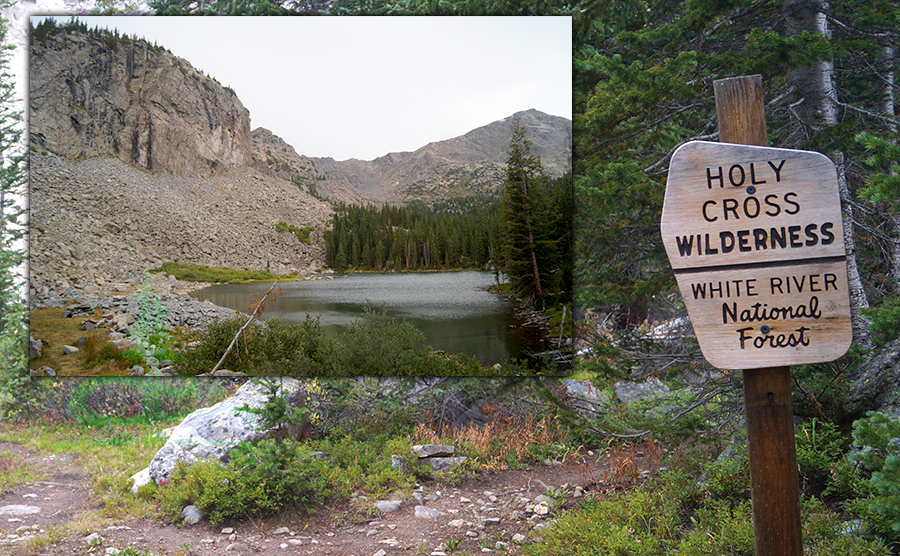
(361, 87)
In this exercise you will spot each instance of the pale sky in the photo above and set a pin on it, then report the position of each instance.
(362, 87)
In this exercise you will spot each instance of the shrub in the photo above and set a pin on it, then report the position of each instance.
(878, 439)
(729, 478)
(259, 480)
(818, 451)
(273, 347)
(380, 345)
(95, 398)
(375, 345)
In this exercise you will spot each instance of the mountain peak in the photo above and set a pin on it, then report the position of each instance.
(473, 163)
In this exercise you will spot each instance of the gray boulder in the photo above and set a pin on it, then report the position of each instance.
(36, 346)
(875, 384)
(433, 450)
(627, 392)
(443, 464)
(586, 399)
(211, 433)
(43, 371)
(191, 515)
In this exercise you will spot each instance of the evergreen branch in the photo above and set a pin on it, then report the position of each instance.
(855, 32)
(863, 112)
(880, 77)
(653, 124)
(777, 100)
(668, 156)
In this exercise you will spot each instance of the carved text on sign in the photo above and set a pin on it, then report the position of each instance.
(754, 236)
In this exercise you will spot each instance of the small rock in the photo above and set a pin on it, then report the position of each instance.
(458, 523)
(17, 509)
(388, 506)
(69, 350)
(281, 531)
(191, 515)
(444, 463)
(228, 530)
(518, 538)
(424, 512)
(433, 450)
(140, 479)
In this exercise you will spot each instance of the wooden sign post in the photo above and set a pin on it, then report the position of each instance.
(755, 237)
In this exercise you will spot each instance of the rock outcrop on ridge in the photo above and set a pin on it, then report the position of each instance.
(140, 103)
(137, 159)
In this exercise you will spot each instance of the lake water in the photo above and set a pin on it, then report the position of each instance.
(450, 308)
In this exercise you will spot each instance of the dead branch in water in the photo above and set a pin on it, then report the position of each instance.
(258, 308)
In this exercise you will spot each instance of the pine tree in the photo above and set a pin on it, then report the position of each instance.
(522, 216)
(13, 175)
(642, 87)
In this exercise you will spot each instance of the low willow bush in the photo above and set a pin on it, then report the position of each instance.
(273, 347)
(277, 476)
(257, 481)
(375, 345)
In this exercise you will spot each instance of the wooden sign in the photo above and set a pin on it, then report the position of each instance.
(755, 237)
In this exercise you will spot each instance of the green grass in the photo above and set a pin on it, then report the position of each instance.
(219, 275)
(14, 471)
(111, 452)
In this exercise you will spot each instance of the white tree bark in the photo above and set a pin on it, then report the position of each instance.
(888, 108)
(815, 85)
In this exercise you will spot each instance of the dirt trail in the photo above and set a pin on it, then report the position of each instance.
(503, 507)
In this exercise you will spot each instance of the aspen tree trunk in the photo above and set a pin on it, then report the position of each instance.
(888, 108)
(815, 85)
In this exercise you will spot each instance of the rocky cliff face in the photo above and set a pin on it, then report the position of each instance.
(142, 104)
(138, 159)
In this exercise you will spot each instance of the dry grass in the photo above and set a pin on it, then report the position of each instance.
(499, 442)
(56, 331)
(626, 461)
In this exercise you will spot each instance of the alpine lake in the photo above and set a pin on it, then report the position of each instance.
(453, 310)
